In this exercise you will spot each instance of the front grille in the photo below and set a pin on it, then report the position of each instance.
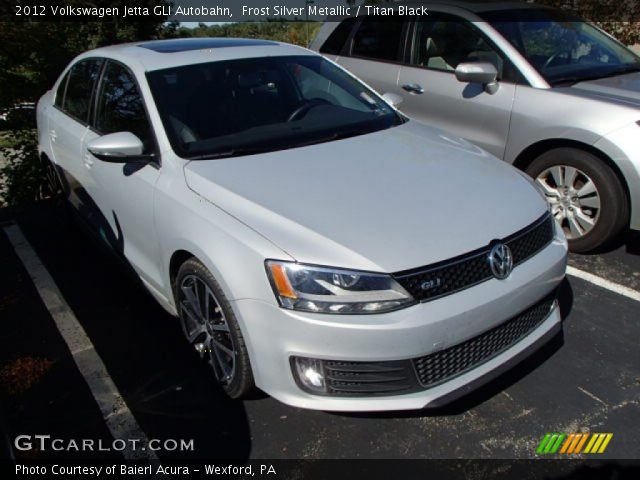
(444, 278)
(441, 366)
(369, 378)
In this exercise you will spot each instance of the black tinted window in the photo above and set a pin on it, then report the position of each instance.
(60, 91)
(120, 106)
(378, 39)
(244, 106)
(333, 45)
(82, 78)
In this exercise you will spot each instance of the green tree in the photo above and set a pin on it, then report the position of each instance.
(32, 55)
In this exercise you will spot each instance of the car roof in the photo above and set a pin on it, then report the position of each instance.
(160, 54)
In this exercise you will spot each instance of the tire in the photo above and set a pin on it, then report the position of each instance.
(213, 339)
(52, 186)
(54, 189)
(601, 215)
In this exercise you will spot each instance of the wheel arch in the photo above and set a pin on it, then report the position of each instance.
(529, 154)
(175, 262)
(177, 259)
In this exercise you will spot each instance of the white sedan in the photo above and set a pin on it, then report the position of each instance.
(313, 241)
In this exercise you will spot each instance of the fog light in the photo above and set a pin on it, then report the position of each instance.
(310, 373)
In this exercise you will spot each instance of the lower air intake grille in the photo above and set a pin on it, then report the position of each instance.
(369, 378)
(441, 366)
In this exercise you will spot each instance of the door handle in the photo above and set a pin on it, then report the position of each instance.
(88, 161)
(414, 88)
(53, 136)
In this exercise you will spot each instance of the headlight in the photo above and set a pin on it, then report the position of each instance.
(333, 290)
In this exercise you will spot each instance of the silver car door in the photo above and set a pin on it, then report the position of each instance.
(124, 193)
(68, 124)
(438, 44)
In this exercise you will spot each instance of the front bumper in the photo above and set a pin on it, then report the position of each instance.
(273, 335)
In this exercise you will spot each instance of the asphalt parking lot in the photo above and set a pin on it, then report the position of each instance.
(589, 381)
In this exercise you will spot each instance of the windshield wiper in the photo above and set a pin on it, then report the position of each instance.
(232, 152)
(283, 144)
(333, 136)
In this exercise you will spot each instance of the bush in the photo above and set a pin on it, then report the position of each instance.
(22, 177)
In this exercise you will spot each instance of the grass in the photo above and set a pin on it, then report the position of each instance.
(6, 140)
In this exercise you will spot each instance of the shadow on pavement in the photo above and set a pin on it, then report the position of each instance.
(172, 394)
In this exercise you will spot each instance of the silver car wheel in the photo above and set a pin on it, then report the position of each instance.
(574, 199)
(205, 326)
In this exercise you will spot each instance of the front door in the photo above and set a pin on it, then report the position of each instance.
(125, 192)
(433, 95)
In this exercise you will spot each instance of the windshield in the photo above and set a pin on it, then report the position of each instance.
(562, 48)
(238, 107)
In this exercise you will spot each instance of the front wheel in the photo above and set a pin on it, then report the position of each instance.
(210, 326)
(586, 197)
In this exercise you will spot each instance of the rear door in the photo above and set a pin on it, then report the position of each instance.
(374, 53)
(438, 43)
(68, 125)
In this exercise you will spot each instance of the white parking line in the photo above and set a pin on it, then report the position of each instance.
(116, 413)
(604, 283)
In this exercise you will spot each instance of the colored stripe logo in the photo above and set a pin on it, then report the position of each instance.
(574, 443)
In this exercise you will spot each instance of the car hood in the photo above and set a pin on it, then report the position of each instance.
(624, 88)
(396, 199)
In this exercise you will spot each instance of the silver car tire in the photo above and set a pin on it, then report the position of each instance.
(586, 196)
(209, 324)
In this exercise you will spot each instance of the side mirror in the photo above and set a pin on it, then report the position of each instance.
(393, 99)
(479, 72)
(119, 147)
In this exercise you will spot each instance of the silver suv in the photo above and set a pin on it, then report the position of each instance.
(553, 95)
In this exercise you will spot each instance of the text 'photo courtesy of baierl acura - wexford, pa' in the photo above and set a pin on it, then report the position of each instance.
(320, 239)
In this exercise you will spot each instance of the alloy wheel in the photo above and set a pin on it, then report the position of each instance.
(51, 186)
(206, 328)
(574, 199)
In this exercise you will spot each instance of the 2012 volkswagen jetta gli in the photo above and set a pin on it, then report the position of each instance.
(312, 240)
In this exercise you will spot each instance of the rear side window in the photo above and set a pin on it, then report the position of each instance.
(82, 78)
(60, 92)
(378, 39)
(120, 105)
(334, 44)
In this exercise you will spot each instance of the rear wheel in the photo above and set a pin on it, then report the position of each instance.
(52, 186)
(210, 326)
(586, 197)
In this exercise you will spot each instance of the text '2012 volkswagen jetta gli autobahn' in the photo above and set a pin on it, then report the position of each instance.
(313, 241)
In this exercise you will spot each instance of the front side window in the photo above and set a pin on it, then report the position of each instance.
(237, 107)
(562, 48)
(120, 106)
(443, 45)
(82, 78)
(378, 39)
